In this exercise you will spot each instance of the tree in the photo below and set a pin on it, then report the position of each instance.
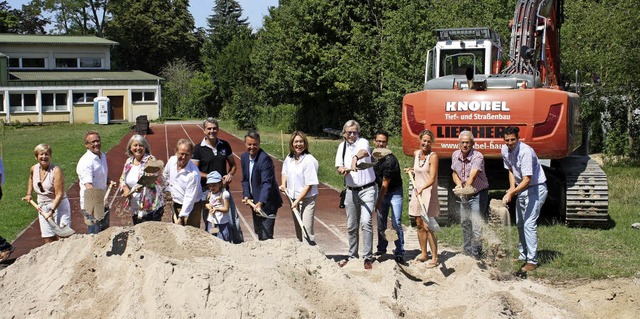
(9, 21)
(186, 92)
(83, 17)
(152, 33)
(226, 51)
(29, 20)
(604, 54)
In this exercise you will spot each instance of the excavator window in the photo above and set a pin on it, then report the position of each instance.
(458, 61)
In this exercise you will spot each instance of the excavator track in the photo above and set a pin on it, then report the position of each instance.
(587, 192)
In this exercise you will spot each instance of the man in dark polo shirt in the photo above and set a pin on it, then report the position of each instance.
(389, 180)
(214, 154)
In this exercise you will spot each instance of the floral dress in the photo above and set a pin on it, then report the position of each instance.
(148, 199)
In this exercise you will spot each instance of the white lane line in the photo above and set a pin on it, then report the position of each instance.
(185, 132)
(337, 234)
(166, 140)
(244, 221)
(246, 224)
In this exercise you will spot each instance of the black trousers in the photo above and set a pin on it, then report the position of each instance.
(4, 244)
(263, 226)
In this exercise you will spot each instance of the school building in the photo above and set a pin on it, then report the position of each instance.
(52, 78)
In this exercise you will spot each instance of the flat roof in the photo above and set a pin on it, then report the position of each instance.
(53, 39)
(134, 75)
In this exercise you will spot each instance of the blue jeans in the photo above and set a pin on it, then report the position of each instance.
(528, 209)
(472, 211)
(224, 231)
(359, 206)
(393, 201)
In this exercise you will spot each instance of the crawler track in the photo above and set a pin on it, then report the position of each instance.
(587, 192)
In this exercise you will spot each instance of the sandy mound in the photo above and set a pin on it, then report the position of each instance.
(160, 270)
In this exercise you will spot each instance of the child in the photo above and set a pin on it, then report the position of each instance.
(218, 205)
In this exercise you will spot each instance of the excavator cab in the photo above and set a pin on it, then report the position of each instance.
(463, 51)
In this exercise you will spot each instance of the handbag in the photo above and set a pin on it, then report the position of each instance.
(343, 195)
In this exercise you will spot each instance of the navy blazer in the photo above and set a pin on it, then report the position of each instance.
(263, 183)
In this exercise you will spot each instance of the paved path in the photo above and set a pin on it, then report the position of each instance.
(330, 222)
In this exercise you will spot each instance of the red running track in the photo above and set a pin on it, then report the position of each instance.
(330, 221)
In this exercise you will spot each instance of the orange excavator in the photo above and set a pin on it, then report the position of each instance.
(467, 87)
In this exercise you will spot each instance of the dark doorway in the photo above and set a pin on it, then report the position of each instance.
(117, 107)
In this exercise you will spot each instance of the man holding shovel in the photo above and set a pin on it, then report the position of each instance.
(92, 172)
(259, 186)
(471, 187)
(361, 191)
(389, 180)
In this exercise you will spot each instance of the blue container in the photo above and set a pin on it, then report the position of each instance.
(101, 110)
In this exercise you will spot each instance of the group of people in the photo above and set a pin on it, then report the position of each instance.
(527, 188)
(196, 180)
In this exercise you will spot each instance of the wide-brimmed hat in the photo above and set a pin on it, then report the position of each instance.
(214, 177)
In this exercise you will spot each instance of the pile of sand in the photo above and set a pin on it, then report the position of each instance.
(160, 270)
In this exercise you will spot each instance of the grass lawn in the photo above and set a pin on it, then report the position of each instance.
(565, 253)
(67, 142)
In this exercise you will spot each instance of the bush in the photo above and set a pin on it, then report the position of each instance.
(284, 117)
(241, 108)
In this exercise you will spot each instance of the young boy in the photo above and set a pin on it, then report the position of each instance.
(218, 205)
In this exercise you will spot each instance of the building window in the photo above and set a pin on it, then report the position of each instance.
(27, 63)
(84, 97)
(33, 63)
(67, 63)
(79, 63)
(22, 102)
(91, 63)
(54, 102)
(1, 103)
(146, 96)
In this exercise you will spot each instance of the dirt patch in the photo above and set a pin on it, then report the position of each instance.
(160, 270)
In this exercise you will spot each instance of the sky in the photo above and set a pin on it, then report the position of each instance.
(201, 9)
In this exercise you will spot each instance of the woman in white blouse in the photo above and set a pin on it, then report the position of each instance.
(300, 180)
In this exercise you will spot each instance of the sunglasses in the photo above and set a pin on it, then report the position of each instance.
(41, 188)
(352, 133)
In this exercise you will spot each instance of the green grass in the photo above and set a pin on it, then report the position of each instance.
(67, 142)
(565, 253)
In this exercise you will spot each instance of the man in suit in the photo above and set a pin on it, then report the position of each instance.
(259, 184)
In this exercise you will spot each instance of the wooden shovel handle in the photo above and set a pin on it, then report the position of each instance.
(34, 204)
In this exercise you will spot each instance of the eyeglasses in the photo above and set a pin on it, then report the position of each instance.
(41, 188)
(465, 142)
(93, 142)
(354, 133)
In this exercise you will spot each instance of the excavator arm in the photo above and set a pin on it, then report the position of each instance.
(535, 40)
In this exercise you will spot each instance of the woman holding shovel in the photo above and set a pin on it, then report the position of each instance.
(300, 182)
(47, 180)
(139, 182)
(425, 199)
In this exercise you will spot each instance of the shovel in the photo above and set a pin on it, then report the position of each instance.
(60, 232)
(298, 218)
(430, 221)
(257, 211)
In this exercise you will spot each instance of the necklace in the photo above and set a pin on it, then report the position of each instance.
(423, 161)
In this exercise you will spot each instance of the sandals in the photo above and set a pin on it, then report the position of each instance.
(4, 255)
(432, 264)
